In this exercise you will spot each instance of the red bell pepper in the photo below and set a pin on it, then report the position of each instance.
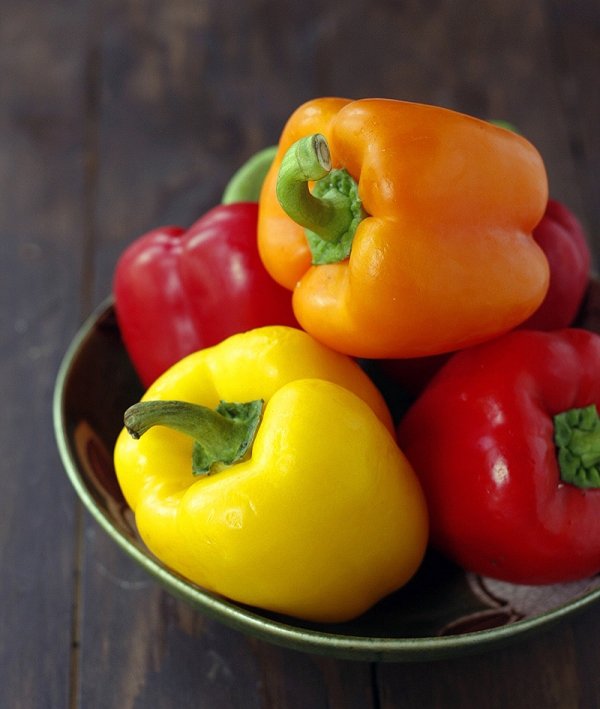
(564, 243)
(562, 239)
(177, 291)
(506, 443)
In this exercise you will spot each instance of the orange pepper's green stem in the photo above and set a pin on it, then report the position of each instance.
(577, 437)
(222, 436)
(332, 212)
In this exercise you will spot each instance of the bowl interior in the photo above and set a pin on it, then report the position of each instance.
(443, 611)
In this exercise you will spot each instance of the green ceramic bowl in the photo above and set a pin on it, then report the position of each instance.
(442, 612)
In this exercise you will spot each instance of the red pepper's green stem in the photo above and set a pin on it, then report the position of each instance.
(506, 125)
(577, 437)
(222, 436)
(332, 212)
(246, 183)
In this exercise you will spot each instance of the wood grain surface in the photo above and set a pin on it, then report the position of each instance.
(118, 116)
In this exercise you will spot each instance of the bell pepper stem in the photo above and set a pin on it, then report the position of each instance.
(246, 183)
(307, 160)
(577, 437)
(222, 436)
(506, 125)
(333, 210)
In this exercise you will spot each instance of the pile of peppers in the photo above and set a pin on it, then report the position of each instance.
(264, 464)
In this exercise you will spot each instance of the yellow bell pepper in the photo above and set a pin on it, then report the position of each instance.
(306, 507)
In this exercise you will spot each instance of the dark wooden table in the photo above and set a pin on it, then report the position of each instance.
(118, 116)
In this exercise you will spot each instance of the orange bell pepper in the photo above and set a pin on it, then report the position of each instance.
(416, 237)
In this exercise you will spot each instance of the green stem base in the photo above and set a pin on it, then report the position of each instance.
(222, 436)
(577, 438)
(332, 212)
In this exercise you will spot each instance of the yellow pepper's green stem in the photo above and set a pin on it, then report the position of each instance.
(332, 212)
(222, 436)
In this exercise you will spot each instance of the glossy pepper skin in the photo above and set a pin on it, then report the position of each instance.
(482, 438)
(444, 257)
(177, 290)
(563, 240)
(326, 515)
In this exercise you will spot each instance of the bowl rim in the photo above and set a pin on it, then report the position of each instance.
(250, 621)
